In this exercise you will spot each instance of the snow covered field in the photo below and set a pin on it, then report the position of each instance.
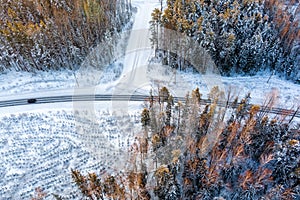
(39, 150)
(39, 144)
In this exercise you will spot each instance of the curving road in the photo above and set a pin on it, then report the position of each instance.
(99, 97)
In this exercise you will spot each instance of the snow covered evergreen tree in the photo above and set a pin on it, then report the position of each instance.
(242, 36)
(43, 34)
(203, 155)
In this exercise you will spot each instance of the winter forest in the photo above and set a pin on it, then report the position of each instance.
(189, 151)
(242, 36)
(213, 147)
(52, 35)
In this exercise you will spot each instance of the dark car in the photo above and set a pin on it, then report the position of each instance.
(31, 100)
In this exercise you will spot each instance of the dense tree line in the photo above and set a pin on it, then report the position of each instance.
(190, 151)
(44, 34)
(242, 36)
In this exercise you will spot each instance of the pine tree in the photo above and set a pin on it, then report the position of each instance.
(155, 24)
(241, 36)
(26, 27)
(145, 119)
(251, 156)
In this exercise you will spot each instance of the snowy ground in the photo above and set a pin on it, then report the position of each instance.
(39, 144)
(56, 83)
(39, 150)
